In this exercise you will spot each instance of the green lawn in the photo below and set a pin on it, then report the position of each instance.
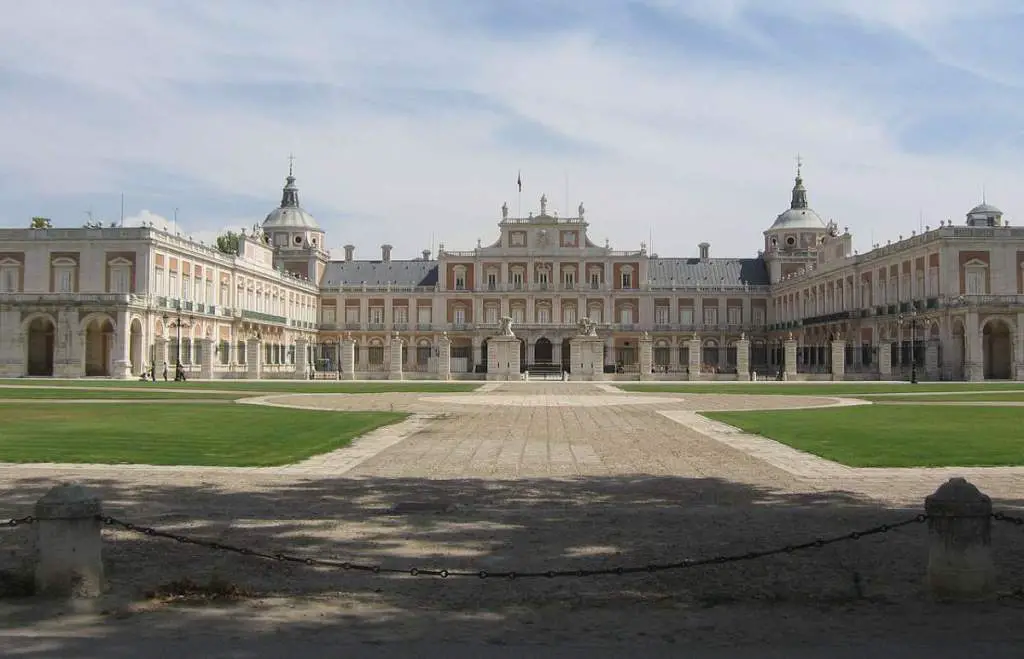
(100, 393)
(978, 396)
(818, 389)
(209, 435)
(265, 386)
(894, 435)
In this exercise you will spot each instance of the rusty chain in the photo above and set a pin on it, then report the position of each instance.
(509, 574)
(1003, 517)
(18, 521)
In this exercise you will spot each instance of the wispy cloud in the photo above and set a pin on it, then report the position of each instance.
(411, 119)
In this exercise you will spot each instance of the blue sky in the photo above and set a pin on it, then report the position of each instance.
(409, 120)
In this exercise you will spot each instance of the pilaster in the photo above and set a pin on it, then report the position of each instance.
(253, 358)
(395, 367)
(931, 359)
(121, 362)
(348, 358)
(646, 355)
(838, 359)
(790, 347)
(694, 365)
(206, 359)
(444, 357)
(885, 360)
(743, 359)
(301, 358)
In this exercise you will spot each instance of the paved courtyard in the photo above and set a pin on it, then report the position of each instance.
(528, 476)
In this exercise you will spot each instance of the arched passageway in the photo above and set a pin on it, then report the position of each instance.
(39, 347)
(997, 350)
(567, 355)
(99, 339)
(542, 351)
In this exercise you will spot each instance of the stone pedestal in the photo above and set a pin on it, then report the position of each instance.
(503, 358)
(885, 360)
(301, 358)
(444, 357)
(694, 365)
(253, 359)
(646, 355)
(931, 360)
(838, 359)
(69, 347)
(395, 367)
(743, 359)
(206, 359)
(960, 563)
(790, 347)
(159, 354)
(69, 560)
(587, 355)
(348, 358)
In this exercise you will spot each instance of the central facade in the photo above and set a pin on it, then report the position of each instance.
(119, 302)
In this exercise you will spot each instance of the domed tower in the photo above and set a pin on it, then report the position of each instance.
(985, 215)
(792, 241)
(296, 237)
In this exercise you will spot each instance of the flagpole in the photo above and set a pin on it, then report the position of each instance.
(519, 197)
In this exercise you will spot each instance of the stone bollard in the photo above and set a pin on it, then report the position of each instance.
(960, 563)
(68, 543)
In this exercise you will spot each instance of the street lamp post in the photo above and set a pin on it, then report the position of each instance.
(782, 360)
(177, 324)
(913, 343)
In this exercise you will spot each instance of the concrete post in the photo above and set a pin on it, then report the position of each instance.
(743, 359)
(395, 369)
(790, 347)
(206, 359)
(885, 360)
(960, 563)
(160, 354)
(301, 354)
(444, 357)
(838, 359)
(931, 359)
(646, 356)
(69, 560)
(695, 356)
(253, 359)
(348, 358)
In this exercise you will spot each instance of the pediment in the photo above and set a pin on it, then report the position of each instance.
(64, 262)
(8, 262)
(975, 263)
(120, 261)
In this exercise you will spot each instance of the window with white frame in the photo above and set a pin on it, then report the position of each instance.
(974, 278)
(209, 299)
(423, 315)
(158, 282)
(595, 313)
(516, 278)
(626, 315)
(186, 287)
(933, 281)
(120, 276)
(757, 315)
(376, 315)
(661, 315)
(328, 315)
(492, 280)
(401, 315)
(595, 279)
(543, 277)
(569, 315)
(64, 275)
(627, 277)
(460, 316)
(460, 278)
(735, 315)
(491, 314)
(9, 276)
(543, 314)
(518, 315)
(569, 279)
(352, 315)
(711, 316)
(686, 315)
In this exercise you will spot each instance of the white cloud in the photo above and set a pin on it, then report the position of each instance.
(682, 144)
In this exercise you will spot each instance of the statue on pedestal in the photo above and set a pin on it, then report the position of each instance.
(587, 327)
(506, 327)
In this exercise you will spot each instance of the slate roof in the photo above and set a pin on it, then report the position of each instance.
(710, 272)
(406, 273)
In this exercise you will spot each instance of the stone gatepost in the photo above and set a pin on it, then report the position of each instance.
(253, 358)
(444, 357)
(395, 370)
(348, 358)
(931, 360)
(790, 347)
(503, 358)
(646, 356)
(301, 358)
(160, 354)
(838, 359)
(69, 560)
(960, 563)
(743, 358)
(587, 354)
(206, 359)
(695, 355)
(885, 360)
(121, 362)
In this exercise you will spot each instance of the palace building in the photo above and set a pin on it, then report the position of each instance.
(946, 303)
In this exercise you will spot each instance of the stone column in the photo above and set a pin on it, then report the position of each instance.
(395, 370)
(301, 358)
(790, 347)
(838, 359)
(347, 348)
(68, 546)
(960, 563)
(646, 350)
(609, 350)
(931, 359)
(885, 360)
(206, 359)
(253, 358)
(444, 357)
(122, 365)
(743, 358)
(160, 354)
(695, 355)
(974, 364)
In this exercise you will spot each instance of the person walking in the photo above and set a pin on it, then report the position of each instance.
(165, 372)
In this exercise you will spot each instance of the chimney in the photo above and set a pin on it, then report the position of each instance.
(385, 253)
(426, 255)
(349, 251)
(705, 251)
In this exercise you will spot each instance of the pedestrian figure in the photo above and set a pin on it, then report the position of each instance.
(165, 372)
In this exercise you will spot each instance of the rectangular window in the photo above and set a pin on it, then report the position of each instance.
(686, 315)
(352, 315)
(974, 280)
(460, 281)
(570, 280)
(711, 316)
(492, 281)
(209, 292)
(460, 316)
(517, 280)
(661, 315)
(186, 287)
(595, 314)
(543, 315)
(423, 315)
(569, 316)
(626, 316)
(9, 280)
(517, 315)
(492, 315)
(595, 280)
(65, 280)
(627, 280)
(159, 282)
(758, 316)
(376, 315)
(735, 315)
(401, 315)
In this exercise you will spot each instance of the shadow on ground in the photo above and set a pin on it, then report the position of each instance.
(867, 586)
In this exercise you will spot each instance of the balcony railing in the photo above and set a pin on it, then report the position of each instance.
(261, 317)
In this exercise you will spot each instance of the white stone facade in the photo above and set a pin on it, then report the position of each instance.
(120, 302)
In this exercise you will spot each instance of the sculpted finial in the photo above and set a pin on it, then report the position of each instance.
(504, 211)
(580, 211)
(543, 204)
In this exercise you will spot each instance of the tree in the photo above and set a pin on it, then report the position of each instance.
(41, 223)
(227, 243)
